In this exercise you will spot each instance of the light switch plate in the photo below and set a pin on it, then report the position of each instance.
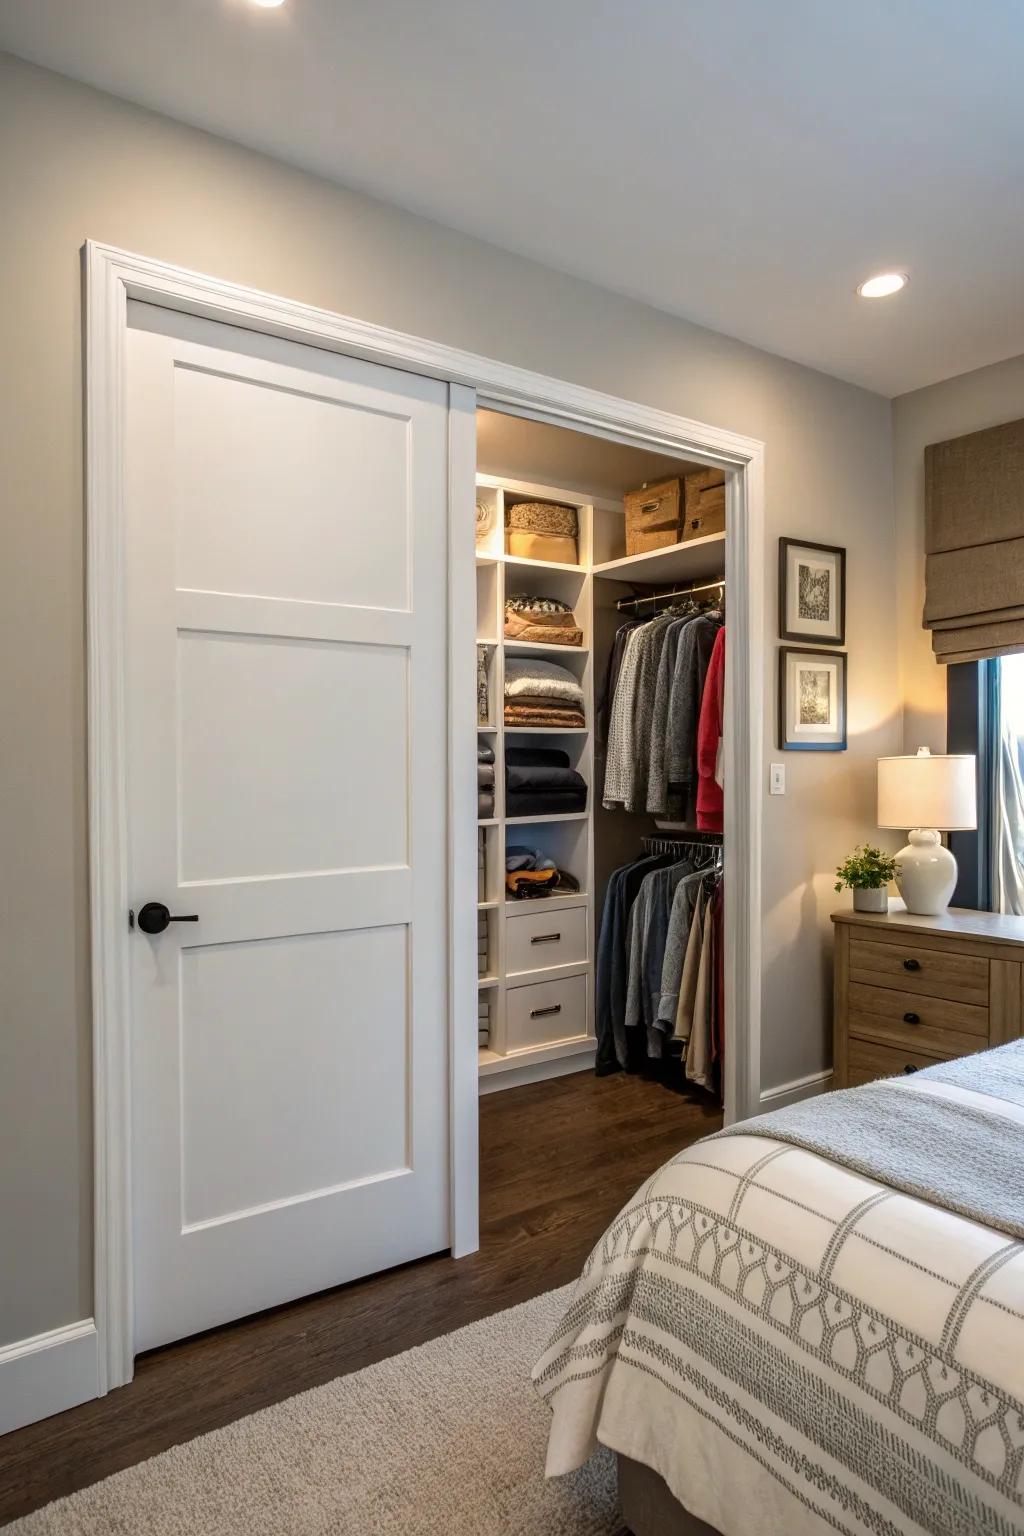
(776, 778)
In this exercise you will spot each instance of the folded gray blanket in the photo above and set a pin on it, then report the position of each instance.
(485, 775)
(484, 752)
(964, 1153)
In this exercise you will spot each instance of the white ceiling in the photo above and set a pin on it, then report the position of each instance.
(743, 163)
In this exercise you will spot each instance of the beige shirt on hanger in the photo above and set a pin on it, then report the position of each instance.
(698, 1050)
(691, 965)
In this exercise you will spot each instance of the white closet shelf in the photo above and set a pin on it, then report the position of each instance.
(545, 565)
(486, 559)
(525, 821)
(487, 906)
(483, 982)
(489, 821)
(487, 640)
(486, 730)
(528, 647)
(693, 559)
(534, 904)
(547, 730)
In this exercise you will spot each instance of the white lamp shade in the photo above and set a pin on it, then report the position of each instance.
(927, 791)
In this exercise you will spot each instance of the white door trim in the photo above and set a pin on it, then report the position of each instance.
(111, 278)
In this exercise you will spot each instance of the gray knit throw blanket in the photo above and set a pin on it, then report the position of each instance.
(963, 1152)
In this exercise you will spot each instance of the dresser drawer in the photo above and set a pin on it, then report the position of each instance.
(914, 1022)
(544, 1012)
(536, 940)
(868, 1061)
(915, 968)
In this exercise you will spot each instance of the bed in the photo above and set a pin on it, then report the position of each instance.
(814, 1321)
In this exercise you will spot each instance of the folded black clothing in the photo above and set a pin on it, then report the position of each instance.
(536, 757)
(545, 802)
(544, 777)
(484, 752)
(485, 775)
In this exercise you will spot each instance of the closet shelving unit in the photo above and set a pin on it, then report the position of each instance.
(540, 954)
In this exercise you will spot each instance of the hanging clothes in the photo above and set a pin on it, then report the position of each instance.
(658, 970)
(710, 777)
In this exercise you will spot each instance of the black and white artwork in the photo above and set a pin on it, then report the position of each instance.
(812, 592)
(812, 700)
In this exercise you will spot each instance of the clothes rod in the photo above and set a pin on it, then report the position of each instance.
(695, 839)
(659, 597)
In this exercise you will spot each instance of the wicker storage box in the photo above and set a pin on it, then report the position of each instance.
(674, 510)
(704, 503)
(541, 530)
(654, 516)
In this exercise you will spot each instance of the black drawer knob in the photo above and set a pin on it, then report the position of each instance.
(911, 965)
(911, 1018)
(908, 1068)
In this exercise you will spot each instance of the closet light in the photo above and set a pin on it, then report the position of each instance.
(268, 5)
(883, 285)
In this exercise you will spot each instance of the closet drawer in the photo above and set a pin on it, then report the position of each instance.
(544, 1012)
(917, 1022)
(537, 940)
(914, 968)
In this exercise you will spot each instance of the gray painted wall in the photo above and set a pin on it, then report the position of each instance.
(984, 398)
(75, 164)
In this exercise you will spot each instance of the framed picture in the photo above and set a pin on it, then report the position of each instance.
(812, 592)
(812, 700)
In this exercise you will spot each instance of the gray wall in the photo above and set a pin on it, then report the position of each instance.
(75, 164)
(968, 403)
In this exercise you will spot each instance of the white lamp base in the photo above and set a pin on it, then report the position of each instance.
(925, 874)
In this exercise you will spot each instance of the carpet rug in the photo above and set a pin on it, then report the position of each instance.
(444, 1440)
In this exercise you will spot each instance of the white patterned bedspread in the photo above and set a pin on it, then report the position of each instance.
(796, 1348)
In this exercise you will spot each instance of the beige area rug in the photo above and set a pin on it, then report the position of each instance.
(444, 1440)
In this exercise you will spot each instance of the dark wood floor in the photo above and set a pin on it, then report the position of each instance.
(558, 1160)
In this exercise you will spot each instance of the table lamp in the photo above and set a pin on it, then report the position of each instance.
(930, 793)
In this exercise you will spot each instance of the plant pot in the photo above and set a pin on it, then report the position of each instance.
(874, 900)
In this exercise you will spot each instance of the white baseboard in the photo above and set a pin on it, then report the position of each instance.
(800, 1088)
(536, 1072)
(48, 1373)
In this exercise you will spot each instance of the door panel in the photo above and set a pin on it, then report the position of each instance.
(285, 609)
(267, 722)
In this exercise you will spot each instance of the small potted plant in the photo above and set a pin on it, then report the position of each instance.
(867, 872)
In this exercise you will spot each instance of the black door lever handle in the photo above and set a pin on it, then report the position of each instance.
(154, 917)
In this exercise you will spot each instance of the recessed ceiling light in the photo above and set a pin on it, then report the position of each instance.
(883, 285)
(268, 5)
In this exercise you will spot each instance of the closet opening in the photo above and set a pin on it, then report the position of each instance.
(601, 611)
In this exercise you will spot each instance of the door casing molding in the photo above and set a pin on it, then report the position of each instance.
(112, 277)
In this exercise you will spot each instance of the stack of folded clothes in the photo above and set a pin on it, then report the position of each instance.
(542, 620)
(540, 782)
(541, 693)
(531, 873)
(484, 781)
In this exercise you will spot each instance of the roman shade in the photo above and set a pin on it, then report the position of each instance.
(974, 544)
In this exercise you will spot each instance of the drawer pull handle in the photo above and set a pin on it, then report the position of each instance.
(545, 938)
(911, 1018)
(908, 1069)
(542, 1013)
(911, 965)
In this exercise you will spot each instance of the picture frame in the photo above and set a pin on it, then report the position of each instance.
(812, 592)
(812, 700)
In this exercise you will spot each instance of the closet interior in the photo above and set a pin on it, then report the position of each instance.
(600, 571)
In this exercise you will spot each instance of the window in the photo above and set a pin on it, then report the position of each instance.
(985, 712)
(1007, 781)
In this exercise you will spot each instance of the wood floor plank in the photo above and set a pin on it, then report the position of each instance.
(557, 1161)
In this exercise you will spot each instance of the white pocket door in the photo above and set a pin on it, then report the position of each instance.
(286, 699)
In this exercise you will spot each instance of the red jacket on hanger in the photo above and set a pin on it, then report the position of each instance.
(709, 737)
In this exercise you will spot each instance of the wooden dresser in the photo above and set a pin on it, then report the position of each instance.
(910, 991)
